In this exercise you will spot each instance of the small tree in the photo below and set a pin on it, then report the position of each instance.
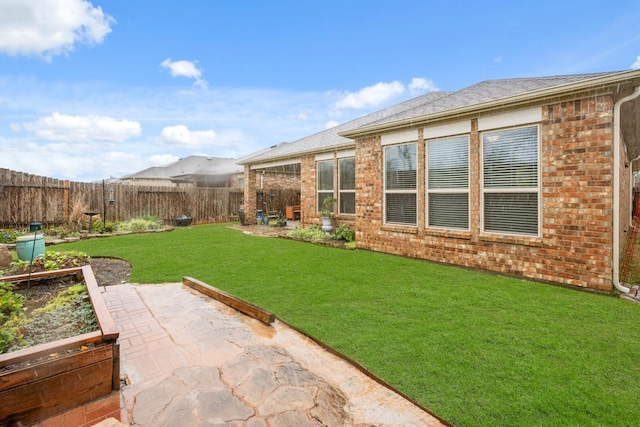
(327, 207)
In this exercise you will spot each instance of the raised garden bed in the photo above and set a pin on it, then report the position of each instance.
(46, 379)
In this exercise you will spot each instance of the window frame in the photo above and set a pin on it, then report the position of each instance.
(514, 189)
(324, 193)
(342, 191)
(399, 191)
(453, 190)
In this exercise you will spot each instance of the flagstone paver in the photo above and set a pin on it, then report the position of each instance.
(191, 361)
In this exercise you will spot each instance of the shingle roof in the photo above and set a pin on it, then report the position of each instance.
(330, 138)
(487, 91)
(191, 165)
(432, 103)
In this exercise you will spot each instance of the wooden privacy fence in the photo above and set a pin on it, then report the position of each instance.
(25, 198)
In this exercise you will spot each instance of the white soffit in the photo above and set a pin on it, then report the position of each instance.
(324, 156)
(510, 118)
(447, 129)
(274, 164)
(398, 137)
(346, 153)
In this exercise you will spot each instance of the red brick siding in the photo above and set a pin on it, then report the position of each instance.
(275, 180)
(308, 210)
(575, 246)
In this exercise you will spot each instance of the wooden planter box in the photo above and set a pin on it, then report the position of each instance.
(42, 389)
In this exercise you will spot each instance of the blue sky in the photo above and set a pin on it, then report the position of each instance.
(102, 88)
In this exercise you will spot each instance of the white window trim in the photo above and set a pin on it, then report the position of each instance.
(537, 190)
(340, 191)
(333, 184)
(398, 191)
(445, 190)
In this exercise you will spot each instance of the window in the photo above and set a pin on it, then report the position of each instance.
(448, 183)
(324, 181)
(400, 173)
(510, 181)
(347, 186)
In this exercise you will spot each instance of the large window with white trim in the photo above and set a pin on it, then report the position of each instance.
(324, 181)
(510, 181)
(448, 183)
(347, 186)
(400, 184)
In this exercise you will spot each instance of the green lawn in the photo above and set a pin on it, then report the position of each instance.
(476, 349)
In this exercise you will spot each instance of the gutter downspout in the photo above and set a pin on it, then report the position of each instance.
(616, 190)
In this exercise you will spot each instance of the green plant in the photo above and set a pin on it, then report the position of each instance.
(11, 317)
(69, 313)
(344, 232)
(9, 236)
(54, 260)
(327, 207)
(310, 233)
(143, 223)
(51, 260)
(60, 231)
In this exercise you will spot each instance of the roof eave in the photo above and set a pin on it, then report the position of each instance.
(295, 157)
(522, 98)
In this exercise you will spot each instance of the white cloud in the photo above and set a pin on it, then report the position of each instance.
(420, 85)
(185, 69)
(50, 27)
(331, 124)
(636, 65)
(62, 127)
(371, 96)
(75, 161)
(180, 135)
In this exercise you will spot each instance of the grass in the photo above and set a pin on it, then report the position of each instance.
(476, 349)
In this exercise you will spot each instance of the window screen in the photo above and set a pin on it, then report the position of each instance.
(510, 181)
(448, 183)
(324, 181)
(401, 184)
(347, 186)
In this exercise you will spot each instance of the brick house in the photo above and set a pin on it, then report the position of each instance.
(529, 177)
(191, 171)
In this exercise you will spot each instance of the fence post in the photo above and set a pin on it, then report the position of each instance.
(65, 200)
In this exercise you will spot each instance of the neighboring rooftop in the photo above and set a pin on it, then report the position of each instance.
(188, 166)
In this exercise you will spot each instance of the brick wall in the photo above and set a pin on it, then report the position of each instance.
(308, 192)
(280, 180)
(575, 246)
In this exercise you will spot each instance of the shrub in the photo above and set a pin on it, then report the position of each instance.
(51, 260)
(61, 231)
(11, 316)
(9, 236)
(143, 223)
(77, 218)
(311, 233)
(344, 232)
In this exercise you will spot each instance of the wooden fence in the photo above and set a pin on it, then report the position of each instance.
(25, 198)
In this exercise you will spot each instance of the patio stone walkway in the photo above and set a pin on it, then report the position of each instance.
(190, 360)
